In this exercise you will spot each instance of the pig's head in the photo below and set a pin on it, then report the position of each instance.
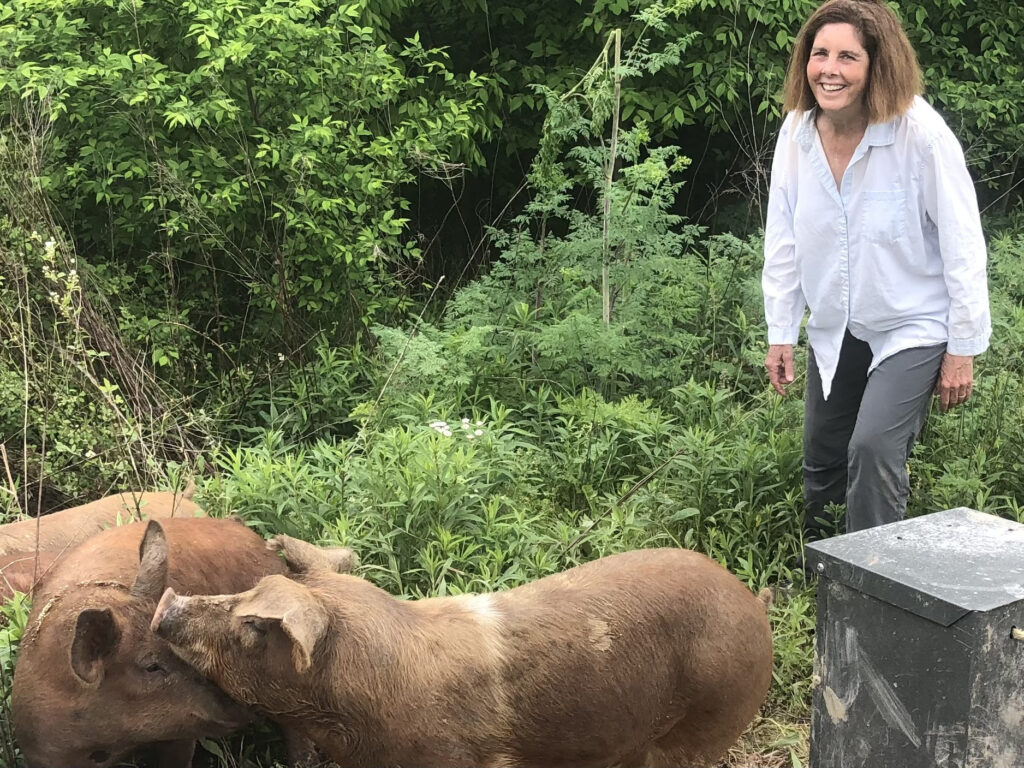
(252, 644)
(92, 683)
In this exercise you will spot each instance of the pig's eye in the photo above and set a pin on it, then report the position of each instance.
(255, 626)
(154, 668)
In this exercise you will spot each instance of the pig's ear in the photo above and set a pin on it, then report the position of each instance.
(152, 578)
(96, 639)
(305, 625)
(300, 614)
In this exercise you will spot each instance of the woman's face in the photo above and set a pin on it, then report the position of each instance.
(837, 70)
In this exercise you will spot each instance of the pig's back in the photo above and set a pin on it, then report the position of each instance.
(62, 530)
(205, 556)
(645, 577)
(658, 631)
(656, 603)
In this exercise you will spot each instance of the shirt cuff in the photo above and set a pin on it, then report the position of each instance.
(781, 335)
(968, 347)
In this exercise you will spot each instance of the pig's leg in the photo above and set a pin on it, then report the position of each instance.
(302, 557)
(175, 754)
(684, 745)
(302, 753)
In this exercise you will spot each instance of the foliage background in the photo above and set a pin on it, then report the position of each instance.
(439, 281)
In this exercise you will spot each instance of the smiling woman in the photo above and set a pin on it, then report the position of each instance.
(837, 72)
(873, 225)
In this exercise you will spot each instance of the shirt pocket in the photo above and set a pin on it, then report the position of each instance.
(885, 215)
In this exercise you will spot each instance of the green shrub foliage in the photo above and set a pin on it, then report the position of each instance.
(724, 94)
(244, 157)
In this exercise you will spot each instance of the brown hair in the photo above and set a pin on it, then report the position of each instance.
(894, 76)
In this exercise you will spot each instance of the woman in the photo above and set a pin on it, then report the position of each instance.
(873, 225)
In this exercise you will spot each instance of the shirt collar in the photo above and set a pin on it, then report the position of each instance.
(877, 134)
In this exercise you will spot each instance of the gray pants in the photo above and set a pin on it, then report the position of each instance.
(857, 442)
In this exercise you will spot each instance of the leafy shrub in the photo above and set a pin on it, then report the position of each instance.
(69, 428)
(243, 157)
(13, 616)
(723, 94)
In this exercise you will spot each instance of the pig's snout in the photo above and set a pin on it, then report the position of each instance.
(168, 610)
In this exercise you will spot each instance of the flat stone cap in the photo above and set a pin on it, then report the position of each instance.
(940, 566)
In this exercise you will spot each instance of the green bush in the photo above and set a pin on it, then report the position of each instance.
(723, 94)
(70, 430)
(13, 616)
(244, 158)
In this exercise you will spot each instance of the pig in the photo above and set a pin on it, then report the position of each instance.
(92, 683)
(20, 571)
(646, 658)
(60, 531)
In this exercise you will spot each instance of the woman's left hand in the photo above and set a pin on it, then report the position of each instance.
(956, 380)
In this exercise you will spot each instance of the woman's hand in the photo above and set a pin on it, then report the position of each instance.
(956, 380)
(779, 363)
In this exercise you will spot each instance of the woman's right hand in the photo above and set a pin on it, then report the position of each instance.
(779, 363)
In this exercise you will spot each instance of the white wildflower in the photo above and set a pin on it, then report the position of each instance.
(477, 432)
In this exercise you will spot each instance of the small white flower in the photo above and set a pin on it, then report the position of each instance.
(478, 432)
(469, 436)
(446, 432)
(465, 421)
(465, 425)
(50, 244)
(479, 423)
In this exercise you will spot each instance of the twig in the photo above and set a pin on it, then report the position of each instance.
(12, 489)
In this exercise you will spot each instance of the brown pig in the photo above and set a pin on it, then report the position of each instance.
(20, 571)
(647, 658)
(92, 683)
(60, 531)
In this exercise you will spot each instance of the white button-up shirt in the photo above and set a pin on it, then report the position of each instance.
(896, 254)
